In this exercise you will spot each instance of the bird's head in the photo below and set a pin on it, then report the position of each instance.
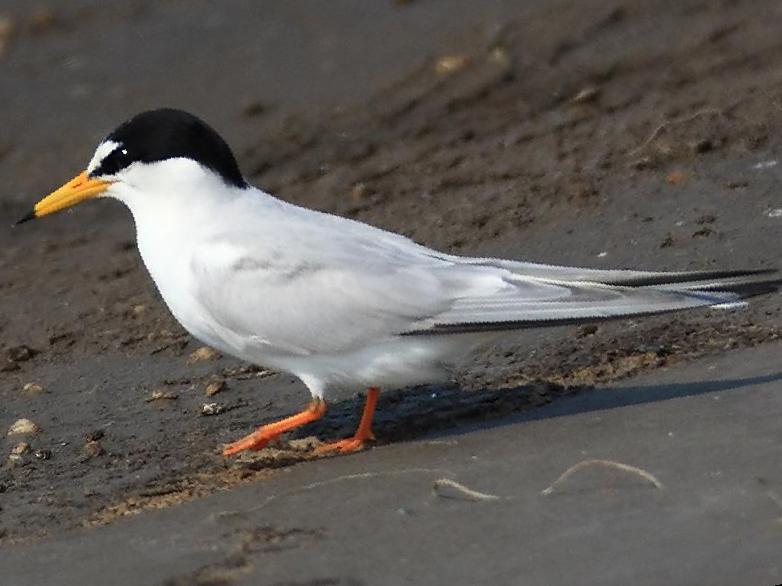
(164, 146)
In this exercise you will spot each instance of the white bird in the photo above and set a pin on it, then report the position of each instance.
(336, 302)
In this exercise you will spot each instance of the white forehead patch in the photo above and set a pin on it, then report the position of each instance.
(103, 150)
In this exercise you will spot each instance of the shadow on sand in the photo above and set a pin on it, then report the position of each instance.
(447, 410)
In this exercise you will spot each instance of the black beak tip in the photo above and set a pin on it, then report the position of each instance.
(26, 218)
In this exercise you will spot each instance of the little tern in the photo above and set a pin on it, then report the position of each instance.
(336, 302)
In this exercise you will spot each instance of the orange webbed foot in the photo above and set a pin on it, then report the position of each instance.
(263, 435)
(254, 441)
(363, 433)
(345, 446)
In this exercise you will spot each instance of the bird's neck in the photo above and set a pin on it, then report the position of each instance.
(170, 221)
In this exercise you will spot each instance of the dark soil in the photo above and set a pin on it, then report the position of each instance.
(599, 133)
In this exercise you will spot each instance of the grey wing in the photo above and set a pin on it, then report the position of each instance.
(327, 301)
(541, 295)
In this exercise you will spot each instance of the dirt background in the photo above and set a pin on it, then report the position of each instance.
(596, 133)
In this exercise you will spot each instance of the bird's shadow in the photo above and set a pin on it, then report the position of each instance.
(447, 410)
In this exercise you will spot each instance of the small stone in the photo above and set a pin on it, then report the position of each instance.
(23, 426)
(93, 449)
(208, 409)
(14, 461)
(138, 309)
(449, 64)
(160, 395)
(32, 388)
(20, 448)
(43, 454)
(215, 386)
(202, 354)
(586, 95)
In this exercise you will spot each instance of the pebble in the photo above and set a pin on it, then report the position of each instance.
(93, 449)
(160, 395)
(20, 448)
(32, 388)
(202, 354)
(215, 387)
(208, 409)
(14, 460)
(22, 426)
(586, 95)
(450, 64)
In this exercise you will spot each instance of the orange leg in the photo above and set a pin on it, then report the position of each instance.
(363, 433)
(263, 435)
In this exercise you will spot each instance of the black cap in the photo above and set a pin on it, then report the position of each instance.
(157, 135)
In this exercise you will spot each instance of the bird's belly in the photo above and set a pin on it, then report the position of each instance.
(392, 363)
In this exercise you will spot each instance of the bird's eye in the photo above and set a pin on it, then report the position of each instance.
(114, 162)
(121, 156)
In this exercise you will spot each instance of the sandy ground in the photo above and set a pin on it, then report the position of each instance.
(608, 134)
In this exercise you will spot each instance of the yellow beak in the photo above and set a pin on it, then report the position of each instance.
(76, 190)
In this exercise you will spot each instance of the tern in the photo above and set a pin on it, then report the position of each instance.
(333, 301)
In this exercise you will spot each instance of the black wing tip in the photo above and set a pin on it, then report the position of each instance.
(747, 289)
(26, 218)
(689, 277)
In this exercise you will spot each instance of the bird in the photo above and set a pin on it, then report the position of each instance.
(338, 303)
